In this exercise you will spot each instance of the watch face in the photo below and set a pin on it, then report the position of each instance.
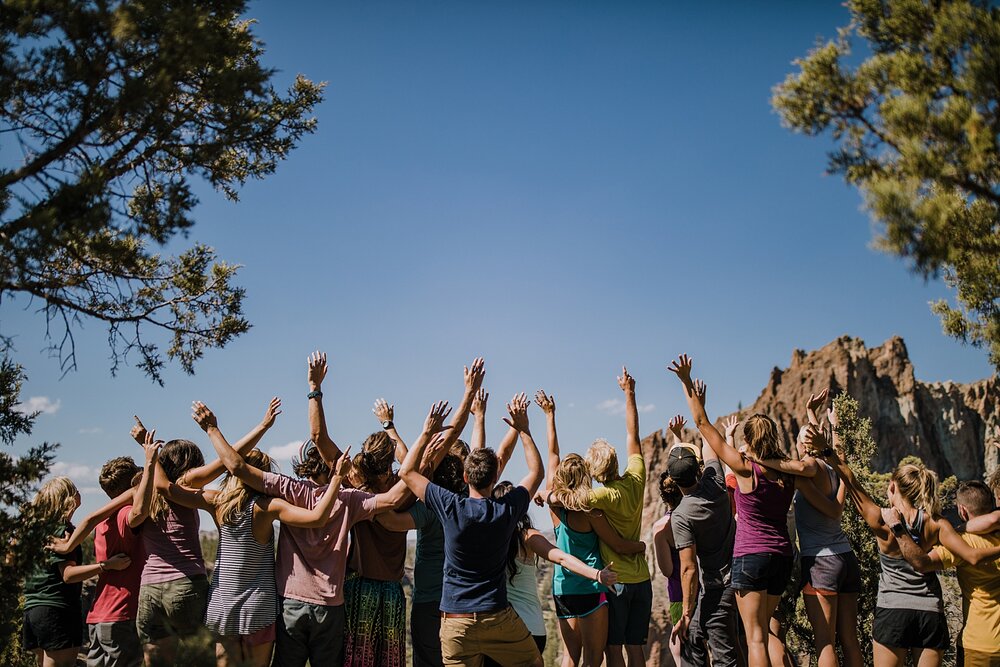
(386, 424)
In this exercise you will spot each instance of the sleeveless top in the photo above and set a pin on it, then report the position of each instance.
(172, 546)
(522, 593)
(819, 535)
(763, 512)
(242, 598)
(902, 587)
(674, 591)
(586, 547)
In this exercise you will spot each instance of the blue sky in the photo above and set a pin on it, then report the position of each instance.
(560, 187)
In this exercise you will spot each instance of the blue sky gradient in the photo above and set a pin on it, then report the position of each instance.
(560, 187)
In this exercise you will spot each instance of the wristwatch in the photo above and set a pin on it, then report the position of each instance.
(314, 394)
(897, 529)
(387, 424)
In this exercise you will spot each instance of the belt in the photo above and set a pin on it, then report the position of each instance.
(448, 614)
(475, 614)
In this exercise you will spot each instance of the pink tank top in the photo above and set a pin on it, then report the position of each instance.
(762, 526)
(172, 544)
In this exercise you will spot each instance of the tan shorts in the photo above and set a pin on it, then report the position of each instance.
(500, 635)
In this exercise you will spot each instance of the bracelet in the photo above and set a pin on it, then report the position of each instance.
(314, 394)
(103, 566)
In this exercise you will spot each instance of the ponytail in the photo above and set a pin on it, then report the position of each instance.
(919, 485)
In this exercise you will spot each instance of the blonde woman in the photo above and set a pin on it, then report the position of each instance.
(242, 598)
(762, 550)
(909, 613)
(52, 627)
(581, 601)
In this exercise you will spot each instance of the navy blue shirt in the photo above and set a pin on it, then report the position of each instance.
(477, 536)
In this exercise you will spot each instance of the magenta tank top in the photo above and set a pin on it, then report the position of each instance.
(173, 547)
(761, 524)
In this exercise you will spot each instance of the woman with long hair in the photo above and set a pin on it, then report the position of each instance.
(173, 594)
(52, 627)
(242, 598)
(909, 613)
(580, 599)
(762, 551)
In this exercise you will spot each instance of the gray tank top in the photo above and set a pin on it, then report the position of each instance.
(819, 535)
(902, 587)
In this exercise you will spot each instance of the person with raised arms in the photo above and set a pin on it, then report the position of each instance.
(476, 618)
(242, 597)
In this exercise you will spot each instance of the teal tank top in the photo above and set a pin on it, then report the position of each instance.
(584, 546)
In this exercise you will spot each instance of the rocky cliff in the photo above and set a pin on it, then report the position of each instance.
(950, 426)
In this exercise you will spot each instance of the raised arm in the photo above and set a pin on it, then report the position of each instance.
(801, 468)
(410, 472)
(870, 511)
(729, 455)
(548, 405)
(540, 546)
(517, 410)
(316, 368)
(479, 413)
(473, 377)
(607, 534)
(143, 494)
(233, 462)
(197, 478)
(317, 517)
(627, 384)
(384, 413)
(816, 402)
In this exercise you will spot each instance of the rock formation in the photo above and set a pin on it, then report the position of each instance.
(950, 426)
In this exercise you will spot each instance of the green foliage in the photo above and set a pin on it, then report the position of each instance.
(116, 108)
(916, 128)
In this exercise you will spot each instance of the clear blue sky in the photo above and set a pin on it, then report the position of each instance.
(560, 187)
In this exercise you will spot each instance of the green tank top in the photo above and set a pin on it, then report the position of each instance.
(584, 546)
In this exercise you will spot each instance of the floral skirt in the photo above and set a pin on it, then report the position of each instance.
(375, 623)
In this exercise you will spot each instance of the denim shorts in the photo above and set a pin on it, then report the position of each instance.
(837, 573)
(762, 572)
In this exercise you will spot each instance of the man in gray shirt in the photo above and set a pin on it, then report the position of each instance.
(704, 530)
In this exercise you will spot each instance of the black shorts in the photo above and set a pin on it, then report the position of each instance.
(629, 612)
(579, 605)
(761, 572)
(837, 573)
(52, 628)
(909, 628)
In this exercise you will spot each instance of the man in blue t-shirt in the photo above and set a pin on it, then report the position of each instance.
(476, 619)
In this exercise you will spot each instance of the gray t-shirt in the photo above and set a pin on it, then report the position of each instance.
(704, 519)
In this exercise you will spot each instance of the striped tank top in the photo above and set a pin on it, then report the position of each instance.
(242, 598)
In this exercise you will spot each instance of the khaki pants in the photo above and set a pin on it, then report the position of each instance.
(500, 635)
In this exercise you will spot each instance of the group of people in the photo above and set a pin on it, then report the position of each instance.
(329, 589)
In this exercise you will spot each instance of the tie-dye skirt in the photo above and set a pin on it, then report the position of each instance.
(375, 623)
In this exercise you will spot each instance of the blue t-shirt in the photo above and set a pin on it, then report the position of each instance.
(477, 536)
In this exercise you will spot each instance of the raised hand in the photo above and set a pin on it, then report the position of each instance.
(831, 416)
(435, 418)
(479, 402)
(701, 391)
(271, 413)
(518, 411)
(676, 426)
(316, 369)
(626, 381)
(204, 417)
(434, 448)
(474, 374)
(546, 402)
(816, 442)
(138, 431)
(383, 411)
(681, 367)
(117, 562)
(730, 425)
(817, 401)
(343, 465)
(151, 446)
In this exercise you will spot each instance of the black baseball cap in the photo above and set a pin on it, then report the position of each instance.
(683, 465)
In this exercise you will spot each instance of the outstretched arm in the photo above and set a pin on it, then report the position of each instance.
(473, 376)
(951, 540)
(63, 546)
(479, 412)
(518, 411)
(682, 369)
(384, 413)
(984, 523)
(316, 368)
(548, 405)
(143, 494)
(197, 478)
(607, 534)
(410, 471)
(233, 461)
(540, 546)
(627, 384)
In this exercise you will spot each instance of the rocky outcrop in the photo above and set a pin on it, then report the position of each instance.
(950, 426)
